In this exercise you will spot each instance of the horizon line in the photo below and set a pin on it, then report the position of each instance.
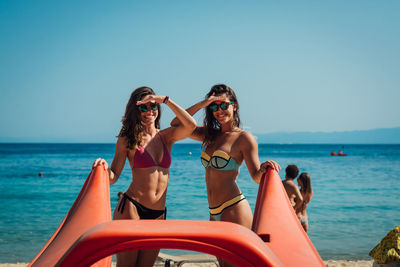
(185, 143)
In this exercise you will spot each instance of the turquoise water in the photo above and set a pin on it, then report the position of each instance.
(356, 198)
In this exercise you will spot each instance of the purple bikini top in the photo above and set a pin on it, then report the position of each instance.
(142, 158)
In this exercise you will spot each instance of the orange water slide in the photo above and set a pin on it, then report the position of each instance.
(230, 241)
(275, 218)
(91, 207)
(87, 236)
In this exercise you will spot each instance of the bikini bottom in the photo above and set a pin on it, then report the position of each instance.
(303, 220)
(143, 212)
(216, 212)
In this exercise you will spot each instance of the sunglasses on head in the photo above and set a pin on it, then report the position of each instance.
(144, 108)
(224, 106)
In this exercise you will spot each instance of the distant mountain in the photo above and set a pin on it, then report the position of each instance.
(376, 136)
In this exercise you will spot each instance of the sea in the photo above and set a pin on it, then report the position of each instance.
(356, 199)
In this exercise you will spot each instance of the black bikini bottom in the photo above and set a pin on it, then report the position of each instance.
(143, 212)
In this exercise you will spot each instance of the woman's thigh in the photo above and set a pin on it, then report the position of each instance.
(135, 257)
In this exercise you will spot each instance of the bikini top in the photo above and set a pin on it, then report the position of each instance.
(219, 160)
(143, 159)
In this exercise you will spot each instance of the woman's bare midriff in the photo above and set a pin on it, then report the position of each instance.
(221, 186)
(149, 187)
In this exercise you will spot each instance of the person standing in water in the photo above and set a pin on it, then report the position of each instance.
(224, 148)
(306, 191)
(293, 192)
(147, 149)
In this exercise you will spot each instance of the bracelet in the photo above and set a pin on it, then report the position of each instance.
(166, 99)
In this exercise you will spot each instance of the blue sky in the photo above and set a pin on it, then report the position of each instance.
(67, 68)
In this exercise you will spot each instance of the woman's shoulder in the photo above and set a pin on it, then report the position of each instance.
(199, 133)
(246, 137)
(245, 141)
(122, 143)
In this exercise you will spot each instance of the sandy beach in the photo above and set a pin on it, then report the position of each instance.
(345, 263)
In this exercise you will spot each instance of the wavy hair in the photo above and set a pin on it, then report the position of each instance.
(132, 127)
(211, 124)
(306, 188)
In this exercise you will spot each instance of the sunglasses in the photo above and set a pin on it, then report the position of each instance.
(144, 108)
(224, 106)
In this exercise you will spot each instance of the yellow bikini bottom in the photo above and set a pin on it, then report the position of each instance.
(217, 211)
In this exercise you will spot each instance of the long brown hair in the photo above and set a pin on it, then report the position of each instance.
(211, 125)
(132, 127)
(306, 188)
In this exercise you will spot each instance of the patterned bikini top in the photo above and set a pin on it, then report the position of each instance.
(219, 160)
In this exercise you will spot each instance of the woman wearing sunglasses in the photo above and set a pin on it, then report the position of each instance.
(147, 149)
(224, 148)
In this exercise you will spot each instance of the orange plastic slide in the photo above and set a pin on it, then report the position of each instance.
(227, 240)
(87, 235)
(91, 207)
(275, 218)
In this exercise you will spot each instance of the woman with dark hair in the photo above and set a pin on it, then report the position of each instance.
(224, 148)
(147, 149)
(304, 181)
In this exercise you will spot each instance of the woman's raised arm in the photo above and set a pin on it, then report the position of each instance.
(181, 131)
(197, 133)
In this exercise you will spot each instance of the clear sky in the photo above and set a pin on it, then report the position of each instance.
(67, 68)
